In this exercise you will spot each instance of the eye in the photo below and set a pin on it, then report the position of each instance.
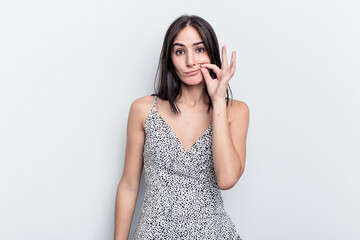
(200, 49)
(179, 51)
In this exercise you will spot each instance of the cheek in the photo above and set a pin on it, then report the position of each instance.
(204, 59)
(176, 62)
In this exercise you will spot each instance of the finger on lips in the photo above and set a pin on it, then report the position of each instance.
(205, 73)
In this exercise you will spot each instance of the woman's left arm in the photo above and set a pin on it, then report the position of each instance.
(229, 141)
(230, 124)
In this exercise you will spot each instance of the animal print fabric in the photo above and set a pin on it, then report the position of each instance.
(182, 199)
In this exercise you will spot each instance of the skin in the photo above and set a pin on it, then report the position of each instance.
(230, 123)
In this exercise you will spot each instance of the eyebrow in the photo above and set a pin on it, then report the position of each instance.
(182, 45)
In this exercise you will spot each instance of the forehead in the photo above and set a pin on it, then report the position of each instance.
(188, 35)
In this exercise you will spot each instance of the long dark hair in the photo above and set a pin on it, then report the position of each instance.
(169, 84)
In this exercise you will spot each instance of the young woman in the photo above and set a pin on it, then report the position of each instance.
(189, 136)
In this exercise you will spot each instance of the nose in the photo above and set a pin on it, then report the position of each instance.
(190, 60)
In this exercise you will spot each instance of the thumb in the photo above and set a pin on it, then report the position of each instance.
(206, 74)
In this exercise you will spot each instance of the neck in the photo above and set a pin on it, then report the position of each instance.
(193, 95)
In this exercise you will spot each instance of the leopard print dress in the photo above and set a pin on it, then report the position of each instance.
(182, 199)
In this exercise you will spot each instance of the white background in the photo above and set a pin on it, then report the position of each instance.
(70, 69)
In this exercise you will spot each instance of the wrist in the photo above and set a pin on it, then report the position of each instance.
(218, 101)
(219, 105)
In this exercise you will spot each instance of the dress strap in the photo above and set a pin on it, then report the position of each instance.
(154, 103)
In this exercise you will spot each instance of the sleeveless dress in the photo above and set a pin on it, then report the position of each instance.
(182, 199)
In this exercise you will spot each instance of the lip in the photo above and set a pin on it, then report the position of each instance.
(191, 73)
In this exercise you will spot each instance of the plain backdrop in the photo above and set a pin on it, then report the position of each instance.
(69, 71)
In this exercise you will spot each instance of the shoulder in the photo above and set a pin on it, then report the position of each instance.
(237, 105)
(238, 109)
(140, 108)
(143, 102)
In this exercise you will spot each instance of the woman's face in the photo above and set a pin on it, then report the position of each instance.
(187, 55)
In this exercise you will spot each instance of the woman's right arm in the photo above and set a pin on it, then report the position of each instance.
(128, 187)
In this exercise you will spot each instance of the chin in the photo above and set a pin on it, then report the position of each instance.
(192, 81)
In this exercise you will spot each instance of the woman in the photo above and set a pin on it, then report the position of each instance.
(190, 138)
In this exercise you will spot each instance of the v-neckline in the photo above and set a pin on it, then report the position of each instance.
(176, 137)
